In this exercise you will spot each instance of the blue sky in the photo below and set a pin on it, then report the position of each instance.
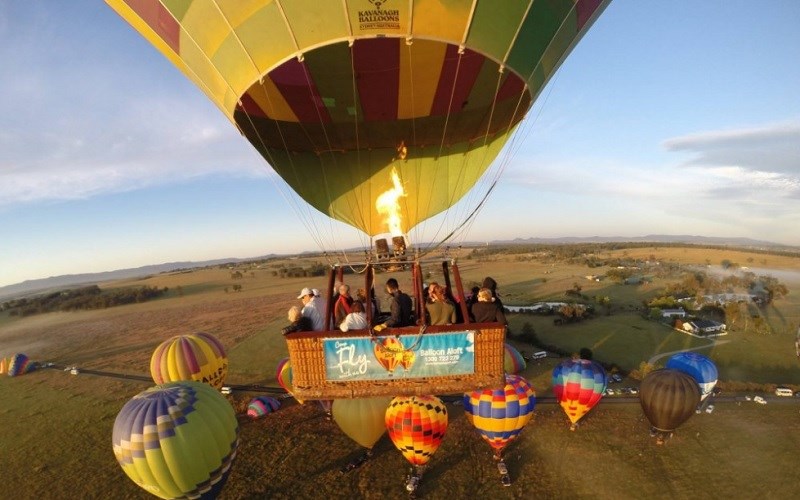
(677, 117)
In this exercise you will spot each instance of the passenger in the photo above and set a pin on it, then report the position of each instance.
(356, 319)
(298, 322)
(487, 310)
(400, 313)
(491, 284)
(361, 296)
(311, 307)
(343, 304)
(472, 299)
(440, 310)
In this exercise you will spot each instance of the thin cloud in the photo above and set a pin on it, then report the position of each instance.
(770, 148)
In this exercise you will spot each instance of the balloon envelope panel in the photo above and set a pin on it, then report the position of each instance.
(177, 440)
(500, 414)
(417, 426)
(578, 385)
(668, 397)
(199, 357)
(701, 369)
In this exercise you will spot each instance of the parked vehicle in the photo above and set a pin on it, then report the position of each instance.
(783, 391)
(760, 400)
(539, 355)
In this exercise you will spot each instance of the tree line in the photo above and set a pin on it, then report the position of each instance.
(84, 298)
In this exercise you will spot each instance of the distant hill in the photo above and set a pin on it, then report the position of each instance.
(651, 238)
(57, 282)
(70, 280)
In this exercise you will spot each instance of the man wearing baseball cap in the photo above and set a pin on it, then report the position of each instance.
(311, 306)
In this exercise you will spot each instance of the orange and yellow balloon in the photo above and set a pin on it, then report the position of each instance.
(199, 357)
(417, 426)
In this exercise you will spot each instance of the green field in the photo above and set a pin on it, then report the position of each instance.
(55, 428)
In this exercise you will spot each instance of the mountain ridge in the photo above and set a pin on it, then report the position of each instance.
(40, 285)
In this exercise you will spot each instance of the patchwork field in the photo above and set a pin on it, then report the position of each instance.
(55, 428)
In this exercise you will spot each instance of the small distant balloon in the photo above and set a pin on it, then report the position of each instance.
(513, 362)
(199, 357)
(19, 364)
(3, 366)
(262, 406)
(177, 440)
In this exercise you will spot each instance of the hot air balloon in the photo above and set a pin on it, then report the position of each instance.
(3, 366)
(283, 373)
(578, 385)
(261, 406)
(500, 414)
(668, 397)
(199, 357)
(363, 105)
(416, 426)
(513, 362)
(361, 419)
(702, 370)
(19, 364)
(177, 440)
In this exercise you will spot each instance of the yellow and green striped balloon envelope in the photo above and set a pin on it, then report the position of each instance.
(177, 440)
(344, 97)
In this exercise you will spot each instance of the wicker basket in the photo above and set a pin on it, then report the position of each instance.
(309, 378)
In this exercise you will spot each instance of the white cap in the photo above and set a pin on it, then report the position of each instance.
(315, 292)
(304, 292)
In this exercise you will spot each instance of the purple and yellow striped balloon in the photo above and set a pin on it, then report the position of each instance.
(177, 440)
(578, 385)
(199, 357)
(19, 364)
(261, 406)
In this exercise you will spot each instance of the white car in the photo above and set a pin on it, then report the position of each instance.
(748, 398)
(710, 409)
(760, 400)
(609, 392)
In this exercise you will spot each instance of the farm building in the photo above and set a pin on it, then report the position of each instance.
(701, 327)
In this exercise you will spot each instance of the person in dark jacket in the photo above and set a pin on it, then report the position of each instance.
(491, 284)
(401, 314)
(298, 322)
(487, 310)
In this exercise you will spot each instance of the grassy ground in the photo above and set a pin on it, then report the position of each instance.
(55, 427)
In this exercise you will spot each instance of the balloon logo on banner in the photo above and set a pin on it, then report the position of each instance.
(390, 352)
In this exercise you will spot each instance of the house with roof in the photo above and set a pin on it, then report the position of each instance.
(701, 327)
